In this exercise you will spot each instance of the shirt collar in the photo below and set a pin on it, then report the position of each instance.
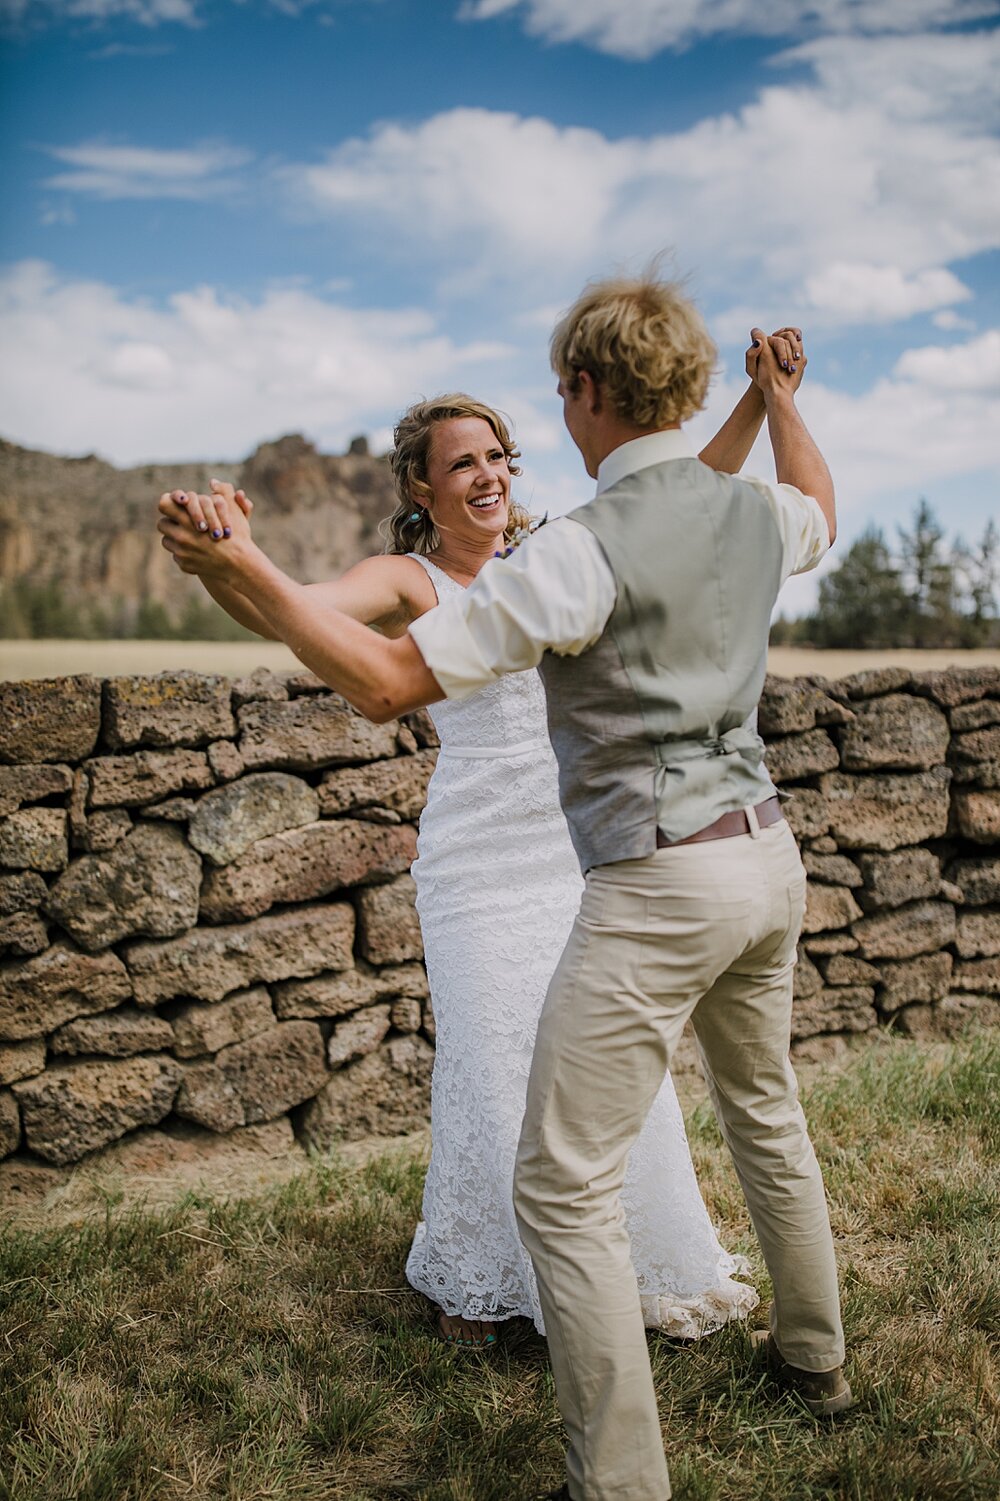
(642, 453)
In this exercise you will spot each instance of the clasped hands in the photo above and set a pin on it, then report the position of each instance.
(192, 525)
(776, 362)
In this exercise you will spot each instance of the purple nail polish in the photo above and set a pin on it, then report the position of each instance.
(756, 343)
(217, 534)
(227, 531)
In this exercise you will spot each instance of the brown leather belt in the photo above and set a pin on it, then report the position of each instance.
(729, 825)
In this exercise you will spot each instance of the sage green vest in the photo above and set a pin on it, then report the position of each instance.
(648, 724)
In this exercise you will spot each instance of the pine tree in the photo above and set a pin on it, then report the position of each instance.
(862, 604)
(929, 582)
(979, 572)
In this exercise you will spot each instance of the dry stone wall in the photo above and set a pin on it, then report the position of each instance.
(207, 921)
(894, 795)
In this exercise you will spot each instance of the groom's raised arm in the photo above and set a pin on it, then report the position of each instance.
(729, 450)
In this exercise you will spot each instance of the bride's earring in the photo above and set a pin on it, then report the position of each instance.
(416, 516)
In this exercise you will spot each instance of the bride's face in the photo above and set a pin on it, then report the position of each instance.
(467, 471)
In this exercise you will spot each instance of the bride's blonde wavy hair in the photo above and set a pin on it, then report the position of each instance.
(411, 447)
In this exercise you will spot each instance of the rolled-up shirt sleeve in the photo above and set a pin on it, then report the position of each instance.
(805, 534)
(555, 593)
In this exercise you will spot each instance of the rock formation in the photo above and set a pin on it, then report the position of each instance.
(87, 530)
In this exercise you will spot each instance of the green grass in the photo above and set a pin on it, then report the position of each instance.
(268, 1349)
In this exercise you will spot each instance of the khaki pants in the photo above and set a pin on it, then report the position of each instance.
(705, 931)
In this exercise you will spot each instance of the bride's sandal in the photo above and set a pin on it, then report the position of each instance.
(465, 1334)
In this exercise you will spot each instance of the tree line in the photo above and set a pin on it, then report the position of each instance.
(924, 592)
(42, 611)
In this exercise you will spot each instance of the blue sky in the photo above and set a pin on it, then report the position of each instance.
(227, 221)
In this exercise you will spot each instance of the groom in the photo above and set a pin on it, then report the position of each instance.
(647, 613)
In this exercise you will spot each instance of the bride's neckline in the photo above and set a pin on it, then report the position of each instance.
(457, 582)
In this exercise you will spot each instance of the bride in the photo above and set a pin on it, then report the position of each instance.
(498, 886)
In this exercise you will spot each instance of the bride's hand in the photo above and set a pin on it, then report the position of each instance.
(786, 345)
(197, 551)
(213, 513)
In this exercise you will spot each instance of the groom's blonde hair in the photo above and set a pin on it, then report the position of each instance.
(643, 342)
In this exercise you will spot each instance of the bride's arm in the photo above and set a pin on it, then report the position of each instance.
(381, 678)
(386, 592)
(729, 449)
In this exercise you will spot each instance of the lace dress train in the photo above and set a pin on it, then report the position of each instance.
(498, 887)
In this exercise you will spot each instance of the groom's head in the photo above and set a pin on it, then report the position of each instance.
(633, 356)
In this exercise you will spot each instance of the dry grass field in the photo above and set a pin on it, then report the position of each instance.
(20, 660)
(43, 659)
(267, 1348)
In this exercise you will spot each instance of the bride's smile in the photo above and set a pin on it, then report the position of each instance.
(468, 473)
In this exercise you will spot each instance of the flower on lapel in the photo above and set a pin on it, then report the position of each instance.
(520, 535)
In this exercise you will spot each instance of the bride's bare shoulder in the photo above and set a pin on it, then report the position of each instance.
(388, 591)
(408, 578)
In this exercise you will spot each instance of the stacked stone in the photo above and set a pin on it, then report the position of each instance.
(894, 795)
(206, 912)
(207, 922)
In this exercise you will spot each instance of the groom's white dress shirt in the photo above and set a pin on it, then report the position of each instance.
(558, 593)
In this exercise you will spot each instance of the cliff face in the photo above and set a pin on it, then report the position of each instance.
(89, 529)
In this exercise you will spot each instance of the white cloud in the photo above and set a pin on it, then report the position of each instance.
(952, 322)
(128, 49)
(857, 293)
(137, 365)
(641, 28)
(84, 368)
(924, 76)
(145, 12)
(540, 318)
(809, 175)
(102, 170)
(901, 436)
(487, 189)
(974, 366)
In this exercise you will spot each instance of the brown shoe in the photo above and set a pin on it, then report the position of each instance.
(825, 1393)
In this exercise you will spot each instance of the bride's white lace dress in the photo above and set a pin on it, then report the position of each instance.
(498, 886)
